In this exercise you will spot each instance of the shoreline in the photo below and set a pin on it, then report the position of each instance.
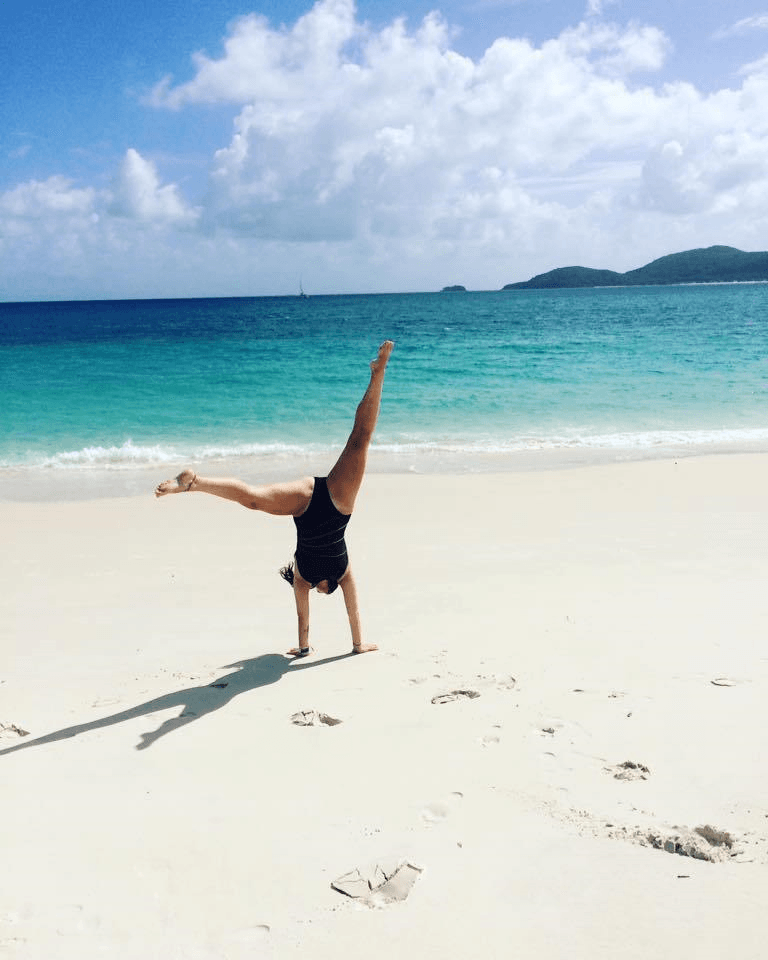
(64, 484)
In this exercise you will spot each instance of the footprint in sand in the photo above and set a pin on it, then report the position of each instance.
(455, 695)
(554, 729)
(548, 728)
(379, 883)
(11, 730)
(505, 683)
(313, 718)
(629, 770)
(440, 810)
(471, 691)
(491, 739)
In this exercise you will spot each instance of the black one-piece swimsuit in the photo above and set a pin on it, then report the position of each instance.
(321, 552)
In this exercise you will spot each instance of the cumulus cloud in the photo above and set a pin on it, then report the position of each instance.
(65, 241)
(137, 194)
(726, 172)
(43, 199)
(386, 151)
(389, 133)
(271, 64)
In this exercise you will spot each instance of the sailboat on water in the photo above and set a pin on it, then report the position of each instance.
(302, 295)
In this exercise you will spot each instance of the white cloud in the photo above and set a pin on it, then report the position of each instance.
(728, 172)
(389, 142)
(633, 49)
(44, 199)
(756, 68)
(386, 160)
(746, 25)
(595, 8)
(65, 241)
(270, 64)
(137, 194)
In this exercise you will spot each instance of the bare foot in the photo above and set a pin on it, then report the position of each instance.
(385, 350)
(299, 652)
(180, 484)
(364, 647)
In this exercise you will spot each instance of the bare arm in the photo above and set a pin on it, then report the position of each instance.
(301, 594)
(349, 589)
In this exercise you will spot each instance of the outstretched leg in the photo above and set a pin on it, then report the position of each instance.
(280, 499)
(347, 474)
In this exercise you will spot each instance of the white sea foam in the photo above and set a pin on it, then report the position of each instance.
(641, 440)
(126, 455)
(129, 455)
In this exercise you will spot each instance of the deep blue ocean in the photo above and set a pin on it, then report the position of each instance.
(477, 380)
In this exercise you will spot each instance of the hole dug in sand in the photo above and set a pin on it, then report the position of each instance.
(701, 843)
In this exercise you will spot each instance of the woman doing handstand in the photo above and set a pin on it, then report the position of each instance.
(321, 508)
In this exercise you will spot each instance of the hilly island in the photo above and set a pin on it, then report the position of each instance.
(706, 265)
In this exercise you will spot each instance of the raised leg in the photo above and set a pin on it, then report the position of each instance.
(347, 474)
(279, 499)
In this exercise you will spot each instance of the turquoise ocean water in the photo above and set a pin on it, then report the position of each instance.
(96, 396)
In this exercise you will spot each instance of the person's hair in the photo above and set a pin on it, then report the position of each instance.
(287, 574)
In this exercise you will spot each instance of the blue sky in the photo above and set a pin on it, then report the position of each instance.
(189, 149)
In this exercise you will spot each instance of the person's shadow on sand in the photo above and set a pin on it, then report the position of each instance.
(195, 702)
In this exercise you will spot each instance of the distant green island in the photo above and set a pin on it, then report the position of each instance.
(705, 265)
(456, 288)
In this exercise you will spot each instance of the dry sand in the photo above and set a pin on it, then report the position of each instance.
(573, 676)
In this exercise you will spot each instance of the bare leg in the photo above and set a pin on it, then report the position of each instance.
(280, 499)
(347, 474)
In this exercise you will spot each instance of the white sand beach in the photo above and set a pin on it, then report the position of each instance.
(572, 677)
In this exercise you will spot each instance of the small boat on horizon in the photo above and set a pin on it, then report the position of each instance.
(302, 295)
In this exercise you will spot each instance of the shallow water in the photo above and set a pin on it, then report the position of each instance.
(478, 381)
